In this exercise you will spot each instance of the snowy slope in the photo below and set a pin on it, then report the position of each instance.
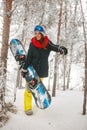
(64, 113)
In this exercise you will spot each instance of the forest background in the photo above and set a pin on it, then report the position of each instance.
(65, 22)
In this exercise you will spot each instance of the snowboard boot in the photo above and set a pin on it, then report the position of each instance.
(29, 112)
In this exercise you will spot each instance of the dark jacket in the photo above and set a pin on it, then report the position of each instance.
(38, 57)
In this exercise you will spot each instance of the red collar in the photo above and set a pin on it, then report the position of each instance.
(37, 44)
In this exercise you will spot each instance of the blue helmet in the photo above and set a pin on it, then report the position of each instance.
(39, 28)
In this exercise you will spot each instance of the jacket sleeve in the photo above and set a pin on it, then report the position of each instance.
(53, 47)
(28, 59)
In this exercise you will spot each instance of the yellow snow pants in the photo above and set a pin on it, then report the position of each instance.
(28, 99)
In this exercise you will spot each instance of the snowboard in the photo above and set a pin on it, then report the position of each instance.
(41, 95)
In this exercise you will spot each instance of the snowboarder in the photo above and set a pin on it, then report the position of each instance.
(38, 53)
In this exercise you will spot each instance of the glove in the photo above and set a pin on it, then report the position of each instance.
(63, 50)
(24, 72)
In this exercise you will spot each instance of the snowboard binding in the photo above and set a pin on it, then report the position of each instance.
(20, 59)
(33, 82)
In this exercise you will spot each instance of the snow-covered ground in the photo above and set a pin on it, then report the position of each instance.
(64, 113)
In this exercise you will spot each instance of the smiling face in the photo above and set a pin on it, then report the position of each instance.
(38, 35)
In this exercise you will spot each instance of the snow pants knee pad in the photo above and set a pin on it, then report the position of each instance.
(27, 100)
